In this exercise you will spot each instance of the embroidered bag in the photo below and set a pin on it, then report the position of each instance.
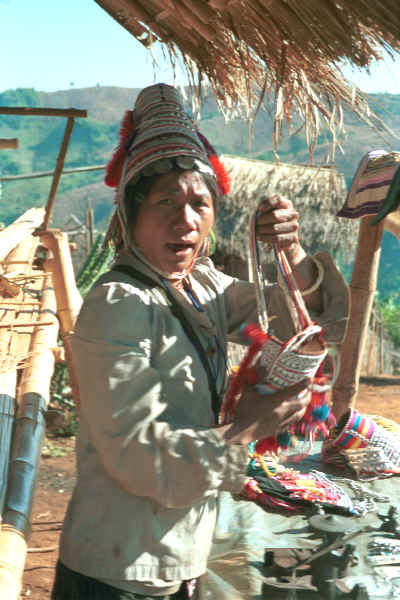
(285, 363)
(369, 445)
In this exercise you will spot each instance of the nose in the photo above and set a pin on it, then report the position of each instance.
(185, 218)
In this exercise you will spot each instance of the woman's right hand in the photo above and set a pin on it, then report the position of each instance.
(259, 416)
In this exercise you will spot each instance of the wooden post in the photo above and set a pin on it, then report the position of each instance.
(8, 144)
(42, 112)
(381, 347)
(69, 300)
(57, 173)
(89, 225)
(372, 345)
(362, 290)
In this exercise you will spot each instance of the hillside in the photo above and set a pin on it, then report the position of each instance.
(94, 138)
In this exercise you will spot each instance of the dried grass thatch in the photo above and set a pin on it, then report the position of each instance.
(290, 50)
(316, 192)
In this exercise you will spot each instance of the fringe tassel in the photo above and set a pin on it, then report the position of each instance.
(116, 163)
(221, 173)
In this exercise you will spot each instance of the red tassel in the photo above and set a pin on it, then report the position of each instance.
(116, 163)
(245, 371)
(221, 174)
(269, 444)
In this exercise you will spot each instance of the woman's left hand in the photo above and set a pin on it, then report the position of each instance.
(278, 222)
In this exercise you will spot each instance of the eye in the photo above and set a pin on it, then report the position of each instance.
(201, 201)
(166, 201)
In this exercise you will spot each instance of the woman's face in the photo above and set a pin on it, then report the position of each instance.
(174, 220)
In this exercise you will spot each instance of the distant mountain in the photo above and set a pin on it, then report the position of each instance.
(93, 140)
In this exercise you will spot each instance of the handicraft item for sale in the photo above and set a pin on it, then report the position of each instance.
(285, 363)
(369, 445)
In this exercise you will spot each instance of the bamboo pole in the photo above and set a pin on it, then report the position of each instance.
(12, 235)
(13, 549)
(381, 348)
(89, 225)
(362, 290)
(8, 384)
(22, 255)
(51, 173)
(58, 170)
(68, 298)
(372, 345)
(10, 143)
(42, 112)
(29, 430)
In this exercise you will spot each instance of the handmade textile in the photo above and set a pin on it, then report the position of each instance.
(368, 448)
(287, 489)
(391, 204)
(285, 363)
(371, 184)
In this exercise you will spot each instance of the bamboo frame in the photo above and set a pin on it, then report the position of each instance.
(33, 397)
(14, 347)
(12, 235)
(362, 290)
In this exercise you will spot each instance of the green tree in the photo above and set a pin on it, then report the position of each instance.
(390, 311)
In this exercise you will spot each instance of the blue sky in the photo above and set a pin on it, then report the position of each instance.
(56, 44)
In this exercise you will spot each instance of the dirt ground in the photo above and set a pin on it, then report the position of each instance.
(378, 395)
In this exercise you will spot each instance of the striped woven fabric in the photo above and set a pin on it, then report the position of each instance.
(162, 130)
(371, 184)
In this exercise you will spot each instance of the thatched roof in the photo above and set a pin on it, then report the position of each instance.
(287, 49)
(316, 192)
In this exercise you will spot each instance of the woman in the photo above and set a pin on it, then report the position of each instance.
(150, 353)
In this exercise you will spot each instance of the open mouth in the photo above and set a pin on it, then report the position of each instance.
(181, 248)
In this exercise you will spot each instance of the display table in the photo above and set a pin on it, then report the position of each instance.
(245, 530)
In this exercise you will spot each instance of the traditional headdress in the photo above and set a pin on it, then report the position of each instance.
(154, 137)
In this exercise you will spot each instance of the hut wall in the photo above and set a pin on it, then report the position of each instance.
(380, 355)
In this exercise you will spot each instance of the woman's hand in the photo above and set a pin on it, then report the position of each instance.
(278, 223)
(259, 416)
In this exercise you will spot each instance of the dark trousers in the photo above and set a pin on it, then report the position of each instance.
(70, 585)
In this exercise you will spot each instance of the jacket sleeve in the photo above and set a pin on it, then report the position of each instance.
(122, 406)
